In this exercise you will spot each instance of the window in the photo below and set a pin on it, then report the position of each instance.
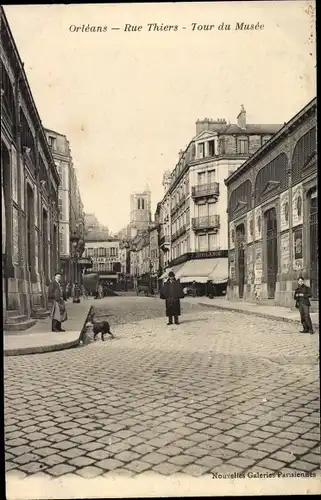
(138, 203)
(202, 243)
(302, 154)
(202, 210)
(265, 139)
(61, 242)
(211, 208)
(201, 178)
(211, 148)
(60, 208)
(211, 176)
(243, 146)
(143, 204)
(95, 252)
(221, 145)
(52, 142)
(212, 241)
(274, 171)
(201, 150)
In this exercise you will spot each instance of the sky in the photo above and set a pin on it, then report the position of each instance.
(128, 100)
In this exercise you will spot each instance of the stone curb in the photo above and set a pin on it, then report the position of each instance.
(41, 349)
(255, 313)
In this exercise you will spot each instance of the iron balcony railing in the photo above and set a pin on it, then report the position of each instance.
(178, 205)
(204, 190)
(206, 222)
(178, 233)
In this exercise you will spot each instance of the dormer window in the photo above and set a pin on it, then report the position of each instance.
(201, 150)
(211, 148)
(52, 142)
(243, 146)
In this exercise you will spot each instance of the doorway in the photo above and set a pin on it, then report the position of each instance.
(240, 241)
(271, 251)
(45, 244)
(30, 229)
(314, 250)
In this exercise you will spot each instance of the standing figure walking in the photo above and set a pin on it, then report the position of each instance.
(172, 292)
(57, 304)
(302, 297)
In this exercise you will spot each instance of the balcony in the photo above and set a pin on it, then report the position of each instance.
(164, 243)
(211, 190)
(205, 223)
(178, 205)
(178, 233)
(7, 116)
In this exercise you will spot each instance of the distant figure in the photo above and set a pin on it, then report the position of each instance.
(84, 292)
(210, 289)
(302, 297)
(100, 291)
(172, 292)
(194, 289)
(76, 293)
(57, 304)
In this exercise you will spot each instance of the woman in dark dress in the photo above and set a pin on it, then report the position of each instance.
(172, 292)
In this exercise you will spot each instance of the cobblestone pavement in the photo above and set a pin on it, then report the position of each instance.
(221, 393)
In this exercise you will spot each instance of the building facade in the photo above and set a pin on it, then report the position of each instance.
(93, 224)
(104, 253)
(194, 208)
(272, 210)
(71, 209)
(29, 183)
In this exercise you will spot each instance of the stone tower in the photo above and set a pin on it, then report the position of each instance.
(140, 209)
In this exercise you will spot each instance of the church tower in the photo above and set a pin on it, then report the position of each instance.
(140, 209)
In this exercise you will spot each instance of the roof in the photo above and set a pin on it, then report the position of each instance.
(233, 128)
(284, 130)
(99, 236)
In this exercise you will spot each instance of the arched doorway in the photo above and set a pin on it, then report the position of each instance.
(271, 250)
(314, 250)
(240, 241)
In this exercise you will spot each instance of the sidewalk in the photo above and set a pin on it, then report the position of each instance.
(265, 311)
(39, 338)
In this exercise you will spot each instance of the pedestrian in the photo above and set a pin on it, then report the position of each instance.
(57, 304)
(172, 292)
(76, 293)
(194, 289)
(302, 296)
(210, 289)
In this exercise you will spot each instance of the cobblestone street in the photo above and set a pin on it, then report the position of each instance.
(221, 393)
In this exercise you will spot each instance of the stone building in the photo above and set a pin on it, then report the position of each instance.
(104, 253)
(29, 185)
(71, 209)
(272, 211)
(140, 210)
(194, 233)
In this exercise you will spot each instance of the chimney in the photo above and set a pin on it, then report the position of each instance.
(241, 118)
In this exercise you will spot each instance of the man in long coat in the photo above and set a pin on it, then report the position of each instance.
(302, 297)
(57, 304)
(172, 292)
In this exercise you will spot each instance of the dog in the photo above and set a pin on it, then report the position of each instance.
(98, 327)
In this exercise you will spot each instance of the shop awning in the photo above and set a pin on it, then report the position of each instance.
(220, 272)
(203, 270)
(196, 270)
(108, 276)
(175, 269)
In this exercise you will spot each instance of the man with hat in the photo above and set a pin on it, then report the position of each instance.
(57, 304)
(172, 292)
